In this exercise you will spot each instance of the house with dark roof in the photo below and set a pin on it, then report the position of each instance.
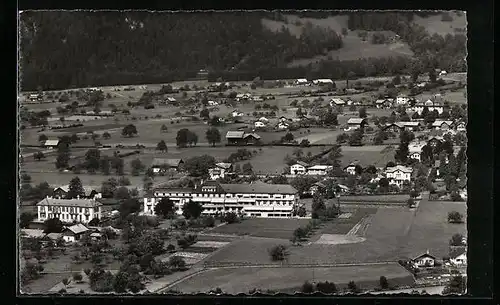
(394, 127)
(442, 125)
(162, 165)
(256, 199)
(424, 260)
(383, 103)
(74, 233)
(356, 123)
(351, 167)
(460, 125)
(221, 170)
(241, 138)
(458, 257)
(61, 192)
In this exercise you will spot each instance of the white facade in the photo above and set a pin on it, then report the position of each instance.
(424, 261)
(415, 151)
(322, 81)
(319, 170)
(419, 108)
(460, 260)
(69, 210)
(219, 171)
(298, 169)
(283, 126)
(248, 200)
(259, 124)
(402, 100)
(398, 174)
(461, 127)
(351, 169)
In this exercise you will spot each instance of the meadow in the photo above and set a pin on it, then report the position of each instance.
(263, 227)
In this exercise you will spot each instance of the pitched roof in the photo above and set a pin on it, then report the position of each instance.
(454, 253)
(397, 124)
(259, 187)
(302, 163)
(251, 135)
(396, 168)
(410, 123)
(337, 101)
(86, 203)
(320, 167)
(424, 255)
(87, 189)
(78, 228)
(223, 165)
(54, 236)
(169, 162)
(440, 122)
(356, 121)
(35, 233)
(51, 142)
(235, 134)
(353, 163)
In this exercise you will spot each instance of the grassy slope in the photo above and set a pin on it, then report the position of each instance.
(434, 24)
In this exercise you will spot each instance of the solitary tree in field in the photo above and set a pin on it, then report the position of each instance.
(106, 135)
(162, 146)
(38, 155)
(278, 253)
(213, 136)
(137, 167)
(362, 112)
(129, 130)
(384, 284)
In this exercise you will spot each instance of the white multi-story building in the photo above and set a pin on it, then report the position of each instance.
(69, 210)
(299, 168)
(319, 170)
(398, 174)
(257, 199)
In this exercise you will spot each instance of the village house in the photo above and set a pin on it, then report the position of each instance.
(435, 141)
(430, 105)
(243, 97)
(159, 165)
(257, 199)
(442, 125)
(90, 192)
(74, 233)
(383, 103)
(96, 236)
(317, 187)
(412, 125)
(322, 81)
(259, 124)
(171, 100)
(415, 150)
(299, 168)
(460, 125)
(319, 170)
(351, 168)
(282, 126)
(212, 103)
(398, 174)
(264, 120)
(51, 144)
(458, 257)
(69, 210)
(424, 260)
(32, 233)
(402, 100)
(356, 123)
(220, 170)
(337, 102)
(394, 127)
(301, 82)
(241, 138)
(34, 97)
(236, 114)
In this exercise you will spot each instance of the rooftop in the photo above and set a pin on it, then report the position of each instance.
(397, 168)
(235, 134)
(169, 162)
(259, 187)
(356, 121)
(78, 228)
(86, 203)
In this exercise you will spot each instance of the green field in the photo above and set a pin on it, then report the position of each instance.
(273, 278)
(342, 226)
(434, 24)
(263, 227)
(376, 198)
(367, 155)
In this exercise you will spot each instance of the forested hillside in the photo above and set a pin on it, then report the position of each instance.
(77, 49)
(66, 49)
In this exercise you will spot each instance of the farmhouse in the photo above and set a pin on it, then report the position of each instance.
(61, 192)
(74, 233)
(402, 100)
(460, 126)
(259, 124)
(394, 127)
(68, 210)
(398, 174)
(51, 144)
(319, 170)
(299, 168)
(317, 187)
(282, 126)
(162, 165)
(322, 81)
(237, 114)
(170, 100)
(351, 168)
(301, 82)
(442, 125)
(415, 150)
(356, 123)
(257, 199)
(424, 260)
(220, 170)
(241, 138)
(383, 103)
(337, 102)
(458, 257)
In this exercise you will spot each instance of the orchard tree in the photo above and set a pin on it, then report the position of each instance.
(129, 131)
(162, 146)
(92, 160)
(165, 208)
(137, 166)
(53, 225)
(213, 136)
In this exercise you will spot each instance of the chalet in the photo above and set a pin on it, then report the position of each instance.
(299, 168)
(460, 126)
(51, 144)
(442, 73)
(424, 260)
(171, 100)
(458, 257)
(241, 138)
(162, 165)
(319, 170)
(317, 187)
(412, 125)
(220, 170)
(301, 82)
(402, 100)
(442, 125)
(394, 127)
(282, 126)
(351, 168)
(90, 192)
(259, 124)
(415, 150)
(264, 120)
(96, 236)
(53, 237)
(337, 102)
(213, 103)
(322, 81)
(243, 97)
(356, 123)
(383, 103)
(74, 233)
(435, 141)
(398, 174)
(284, 119)
(36, 97)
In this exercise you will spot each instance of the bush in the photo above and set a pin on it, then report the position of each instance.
(455, 217)
(230, 217)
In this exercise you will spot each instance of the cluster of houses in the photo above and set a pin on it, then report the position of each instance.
(256, 199)
(457, 258)
(302, 168)
(69, 234)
